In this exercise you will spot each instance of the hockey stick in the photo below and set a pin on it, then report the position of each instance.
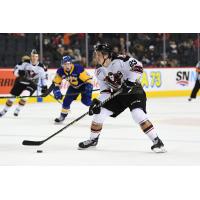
(37, 143)
(10, 97)
(70, 95)
(55, 99)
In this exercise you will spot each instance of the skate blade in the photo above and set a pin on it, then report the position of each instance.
(58, 123)
(160, 150)
(92, 147)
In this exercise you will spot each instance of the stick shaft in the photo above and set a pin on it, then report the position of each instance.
(10, 97)
(66, 126)
(76, 120)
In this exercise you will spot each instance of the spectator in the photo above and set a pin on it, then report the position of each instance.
(58, 54)
(172, 50)
(116, 50)
(77, 56)
(181, 48)
(66, 40)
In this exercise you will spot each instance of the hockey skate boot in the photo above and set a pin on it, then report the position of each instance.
(2, 113)
(190, 99)
(158, 146)
(61, 118)
(88, 143)
(16, 112)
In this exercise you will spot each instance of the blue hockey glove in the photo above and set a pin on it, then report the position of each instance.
(57, 93)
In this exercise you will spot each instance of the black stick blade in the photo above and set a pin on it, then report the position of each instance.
(32, 143)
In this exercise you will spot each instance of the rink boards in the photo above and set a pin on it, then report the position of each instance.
(157, 82)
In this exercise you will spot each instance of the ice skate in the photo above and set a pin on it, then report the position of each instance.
(2, 113)
(61, 118)
(158, 146)
(88, 143)
(16, 112)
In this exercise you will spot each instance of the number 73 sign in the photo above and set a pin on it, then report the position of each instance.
(151, 79)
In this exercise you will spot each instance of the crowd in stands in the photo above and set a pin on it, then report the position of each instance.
(13, 46)
(153, 49)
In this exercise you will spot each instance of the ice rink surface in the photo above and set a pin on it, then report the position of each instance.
(121, 143)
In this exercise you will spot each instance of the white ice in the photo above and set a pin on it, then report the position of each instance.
(121, 143)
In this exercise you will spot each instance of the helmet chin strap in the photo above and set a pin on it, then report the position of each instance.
(104, 61)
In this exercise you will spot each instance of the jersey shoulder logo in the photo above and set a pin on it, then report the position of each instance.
(132, 62)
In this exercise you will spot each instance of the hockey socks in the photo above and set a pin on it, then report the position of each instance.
(21, 104)
(8, 105)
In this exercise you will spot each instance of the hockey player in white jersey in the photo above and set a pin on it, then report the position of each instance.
(119, 73)
(28, 73)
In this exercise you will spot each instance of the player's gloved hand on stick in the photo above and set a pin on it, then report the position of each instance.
(95, 107)
(131, 87)
(22, 73)
(44, 89)
(88, 88)
(57, 93)
(126, 86)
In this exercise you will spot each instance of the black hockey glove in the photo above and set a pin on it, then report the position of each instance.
(23, 76)
(44, 89)
(48, 91)
(132, 87)
(95, 107)
(22, 73)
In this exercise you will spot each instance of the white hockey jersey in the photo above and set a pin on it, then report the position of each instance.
(131, 69)
(33, 72)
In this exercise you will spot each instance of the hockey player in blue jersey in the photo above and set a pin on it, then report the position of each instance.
(80, 82)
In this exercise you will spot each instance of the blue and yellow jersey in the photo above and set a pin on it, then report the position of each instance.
(76, 77)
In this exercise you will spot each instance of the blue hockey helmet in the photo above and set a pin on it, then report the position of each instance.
(66, 59)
